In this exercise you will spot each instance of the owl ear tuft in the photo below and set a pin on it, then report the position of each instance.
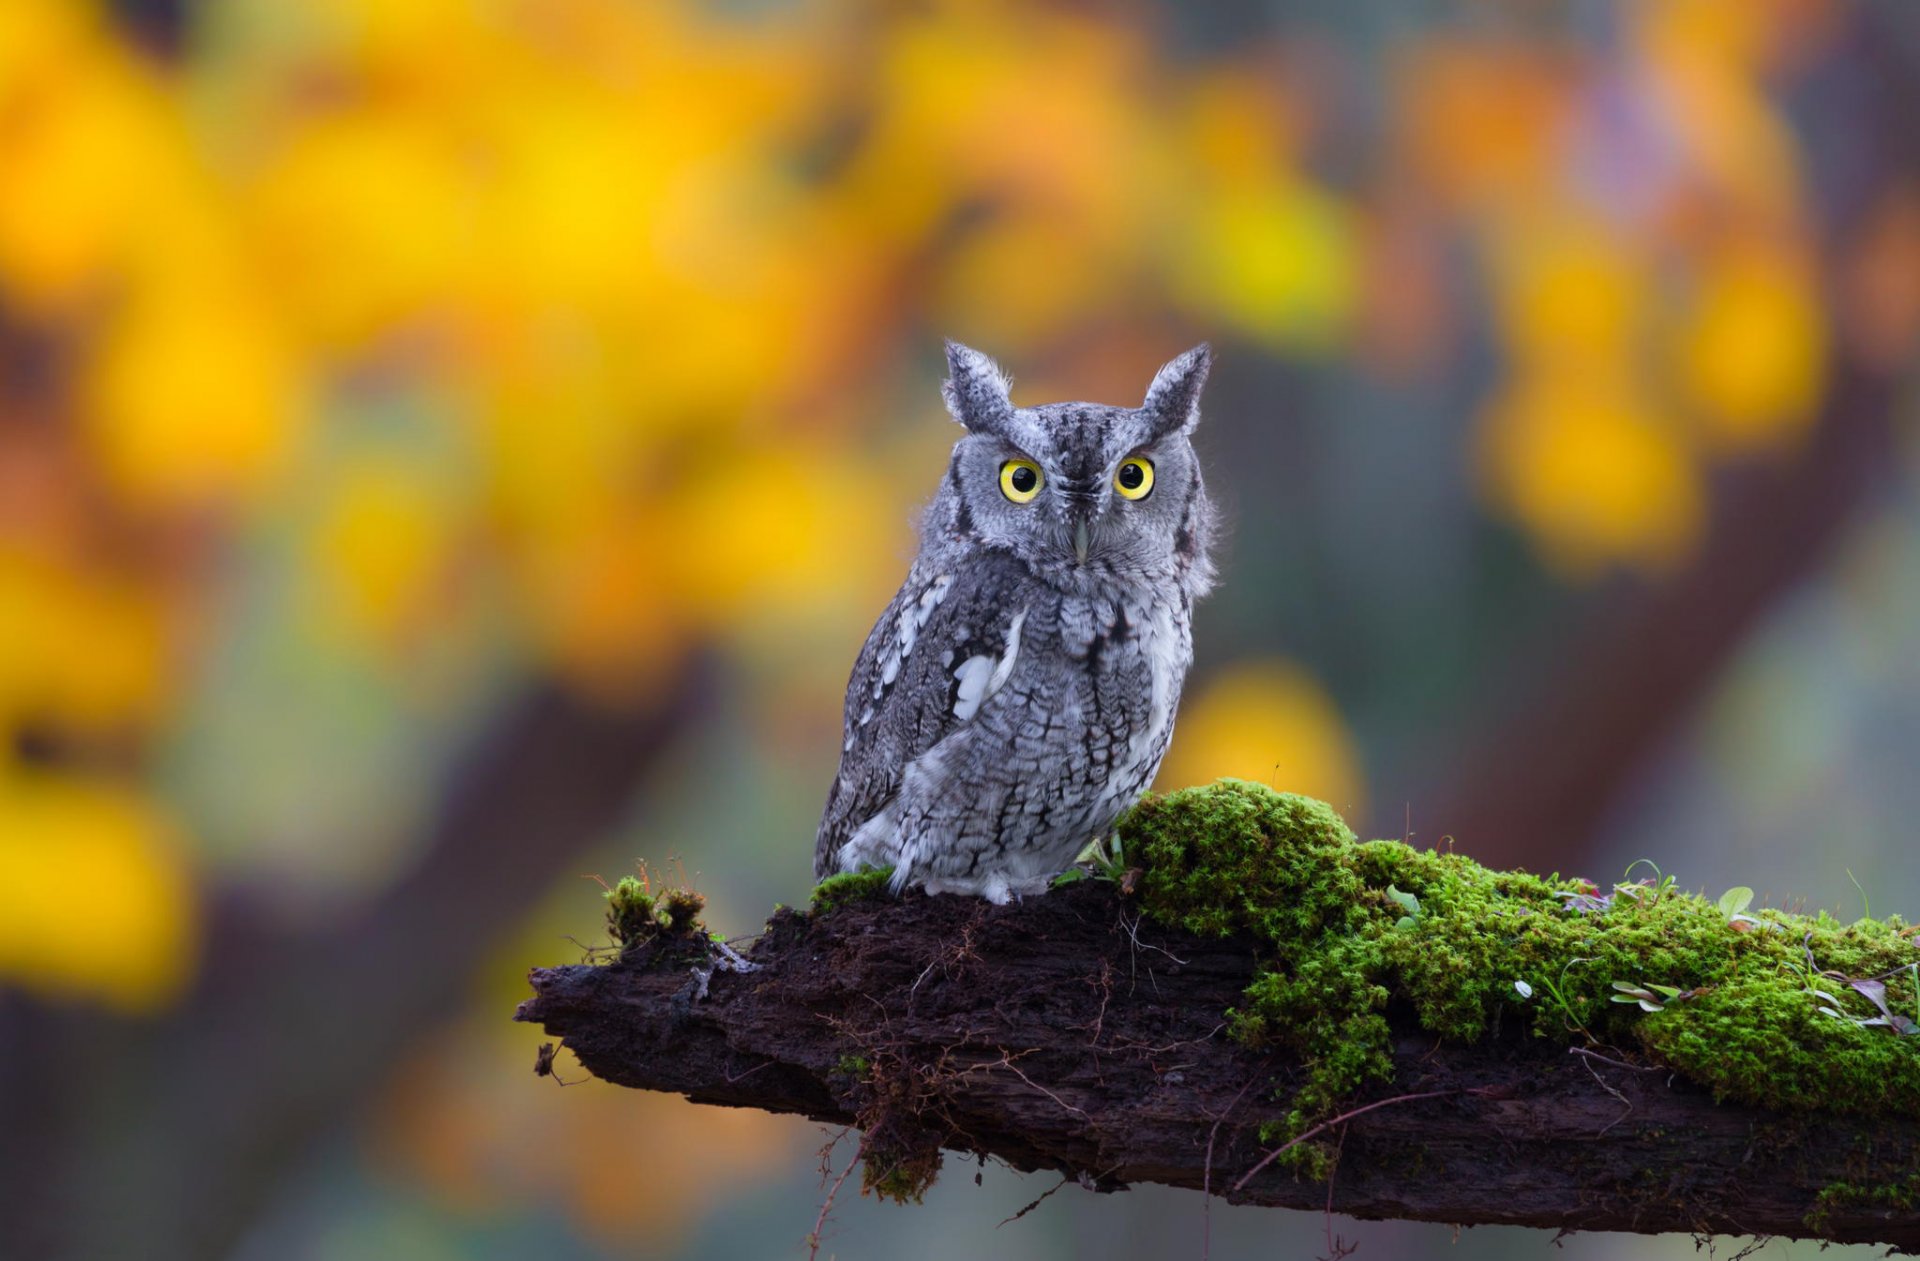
(977, 392)
(1174, 397)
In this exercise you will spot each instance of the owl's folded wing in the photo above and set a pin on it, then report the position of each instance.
(944, 646)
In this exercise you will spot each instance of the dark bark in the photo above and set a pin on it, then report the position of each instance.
(1065, 1035)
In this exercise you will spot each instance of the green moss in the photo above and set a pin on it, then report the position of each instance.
(855, 1066)
(1346, 927)
(1903, 1196)
(636, 914)
(904, 1181)
(850, 886)
(631, 914)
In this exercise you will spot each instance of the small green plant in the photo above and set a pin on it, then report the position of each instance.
(1408, 903)
(1567, 1012)
(1734, 903)
(1648, 996)
(1874, 990)
(1866, 907)
(1104, 858)
(637, 913)
(1641, 890)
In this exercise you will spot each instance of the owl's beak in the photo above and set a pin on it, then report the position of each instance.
(1082, 540)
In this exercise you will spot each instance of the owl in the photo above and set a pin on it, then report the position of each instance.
(1019, 691)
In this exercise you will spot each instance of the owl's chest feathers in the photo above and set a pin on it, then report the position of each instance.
(1132, 649)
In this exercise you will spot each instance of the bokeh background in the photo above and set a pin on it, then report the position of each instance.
(450, 449)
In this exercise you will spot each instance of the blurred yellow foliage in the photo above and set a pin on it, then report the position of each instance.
(1271, 722)
(365, 221)
(96, 900)
(1593, 470)
(92, 147)
(92, 651)
(1260, 248)
(1616, 395)
(1272, 257)
(193, 398)
(386, 542)
(1752, 353)
(1572, 296)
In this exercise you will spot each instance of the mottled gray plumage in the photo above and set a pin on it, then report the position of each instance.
(1019, 691)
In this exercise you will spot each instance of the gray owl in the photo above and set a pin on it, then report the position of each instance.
(1019, 692)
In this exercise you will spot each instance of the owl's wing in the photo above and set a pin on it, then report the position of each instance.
(943, 646)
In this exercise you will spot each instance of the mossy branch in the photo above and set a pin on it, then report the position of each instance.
(1440, 1041)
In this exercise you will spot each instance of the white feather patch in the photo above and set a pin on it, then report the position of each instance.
(906, 632)
(980, 677)
(973, 674)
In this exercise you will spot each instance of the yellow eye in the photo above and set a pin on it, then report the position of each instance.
(1135, 477)
(1020, 480)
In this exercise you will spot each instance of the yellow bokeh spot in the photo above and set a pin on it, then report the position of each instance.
(767, 539)
(88, 141)
(1753, 350)
(1275, 257)
(95, 898)
(1593, 472)
(383, 547)
(193, 396)
(600, 598)
(365, 218)
(88, 651)
(1569, 294)
(1031, 276)
(1271, 722)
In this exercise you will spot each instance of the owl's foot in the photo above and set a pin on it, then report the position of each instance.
(998, 888)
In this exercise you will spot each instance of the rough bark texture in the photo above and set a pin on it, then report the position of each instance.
(1066, 1035)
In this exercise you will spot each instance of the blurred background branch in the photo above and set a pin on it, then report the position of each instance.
(199, 1115)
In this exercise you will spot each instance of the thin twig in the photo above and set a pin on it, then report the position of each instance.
(1206, 1170)
(1064, 1180)
(1628, 1103)
(1631, 1068)
(826, 1205)
(1133, 934)
(1006, 1061)
(1336, 1247)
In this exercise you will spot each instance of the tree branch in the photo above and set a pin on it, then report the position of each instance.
(1063, 1034)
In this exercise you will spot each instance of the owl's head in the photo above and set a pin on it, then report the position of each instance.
(1082, 492)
